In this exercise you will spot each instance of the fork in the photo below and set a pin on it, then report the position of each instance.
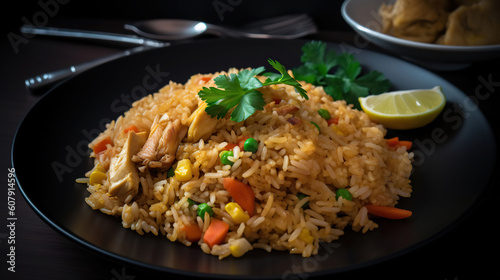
(285, 27)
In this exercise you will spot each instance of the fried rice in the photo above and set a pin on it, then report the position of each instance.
(294, 172)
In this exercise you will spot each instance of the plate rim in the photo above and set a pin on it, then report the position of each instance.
(79, 240)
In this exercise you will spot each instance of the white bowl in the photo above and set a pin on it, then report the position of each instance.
(363, 17)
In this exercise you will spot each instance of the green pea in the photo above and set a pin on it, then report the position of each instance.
(170, 172)
(316, 125)
(204, 208)
(324, 114)
(251, 145)
(224, 157)
(343, 193)
(191, 202)
(301, 196)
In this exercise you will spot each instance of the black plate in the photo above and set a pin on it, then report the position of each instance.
(56, 131)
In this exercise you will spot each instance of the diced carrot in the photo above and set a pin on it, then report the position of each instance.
(131, 128)
(241, 141)
(216, 232)
(241, 193)
(388, 212)
(392, 141)
(101, 146)
(406, 144)
(241, 144)
(332, 121)
(205, 79)
(396, 143)
(229, 147)
(192, 231)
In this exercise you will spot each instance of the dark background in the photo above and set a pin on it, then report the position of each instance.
(326, 13)
(468, 251)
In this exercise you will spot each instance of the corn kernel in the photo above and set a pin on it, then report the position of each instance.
(96, 177)
(305, 236)
(239, 247)
(236, 212)
(99, 167)
(184, 170)
(337, 130)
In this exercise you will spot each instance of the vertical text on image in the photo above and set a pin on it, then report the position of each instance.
(11, 220)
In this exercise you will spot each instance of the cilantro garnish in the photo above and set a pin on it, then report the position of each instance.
(339, 74)
(241, 91)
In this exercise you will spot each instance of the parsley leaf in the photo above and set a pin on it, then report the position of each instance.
(375, 81)
(284, 79)
(241, 91)
(339, 74)
(249, 103)
(247, 79)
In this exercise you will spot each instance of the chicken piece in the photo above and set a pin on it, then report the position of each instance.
(473, 23)
(123, 174)
(417, 20)
(294, 121)
(169, 142)
(286, 109)
(164, 139)
(148, 151)
(201, 124)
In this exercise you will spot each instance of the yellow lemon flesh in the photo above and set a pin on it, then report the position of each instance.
(405, 109)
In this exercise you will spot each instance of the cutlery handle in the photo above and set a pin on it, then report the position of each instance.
(46, 80)
(96, 36)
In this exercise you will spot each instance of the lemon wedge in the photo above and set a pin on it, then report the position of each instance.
(405, 109)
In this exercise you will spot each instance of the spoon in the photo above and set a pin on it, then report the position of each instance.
(168, 29)
(285, 27)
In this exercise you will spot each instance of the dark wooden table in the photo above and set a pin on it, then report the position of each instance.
(469, 249)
